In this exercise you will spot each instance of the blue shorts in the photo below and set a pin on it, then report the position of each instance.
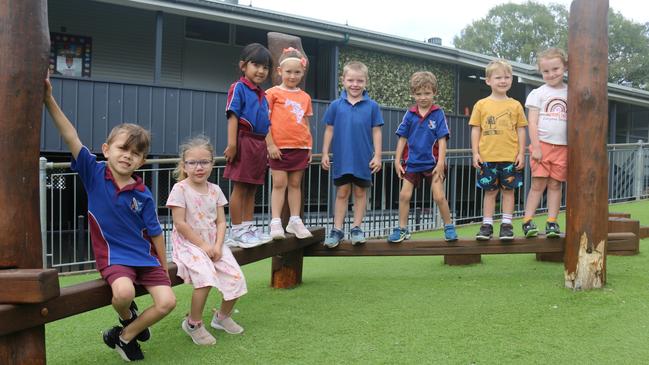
(499, 175)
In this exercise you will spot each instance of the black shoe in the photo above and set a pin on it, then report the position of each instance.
(128, 351)
(485, 233)
(142, 336)
(506, 232)
(552, 230)
(530, 230)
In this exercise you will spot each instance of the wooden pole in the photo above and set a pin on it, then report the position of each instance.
(24, 41)
(587, 191)
(286, 271)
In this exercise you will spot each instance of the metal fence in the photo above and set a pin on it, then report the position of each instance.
(66, 240)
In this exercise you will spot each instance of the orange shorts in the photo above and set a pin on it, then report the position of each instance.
(554, 162)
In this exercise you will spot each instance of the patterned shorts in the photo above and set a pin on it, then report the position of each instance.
(499, 175)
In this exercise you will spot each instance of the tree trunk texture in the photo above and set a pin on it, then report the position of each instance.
(587, 191)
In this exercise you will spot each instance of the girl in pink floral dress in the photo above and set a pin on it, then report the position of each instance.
(198, 234)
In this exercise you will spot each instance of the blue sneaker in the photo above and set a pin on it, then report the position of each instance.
(357, 236)
(449, 233)
(334, 238)
(399, 235)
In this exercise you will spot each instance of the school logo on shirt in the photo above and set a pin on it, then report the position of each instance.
(432, 124)
(136, 206)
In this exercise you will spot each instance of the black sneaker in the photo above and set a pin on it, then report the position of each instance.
(530, 230)
(552, 230)
(142, 336)
(485, 233)
(128, 351)
(506, 232)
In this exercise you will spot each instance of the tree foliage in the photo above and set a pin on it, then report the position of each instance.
(518, 31)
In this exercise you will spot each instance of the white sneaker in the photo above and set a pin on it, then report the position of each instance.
(231, 242)
(247, 239)
(226, 324)
(298, 229)
(276, 230)
(261, 236)
(199, 334)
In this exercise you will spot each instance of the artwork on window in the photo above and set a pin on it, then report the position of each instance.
(70, 55)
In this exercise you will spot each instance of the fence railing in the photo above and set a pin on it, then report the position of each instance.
(66, 239)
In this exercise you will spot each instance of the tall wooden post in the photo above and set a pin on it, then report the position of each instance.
(286, 271)
(587, 192)
(24, 45)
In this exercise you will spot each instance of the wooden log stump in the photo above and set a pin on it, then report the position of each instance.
(617, 225)
(457, 260)
(287, 270)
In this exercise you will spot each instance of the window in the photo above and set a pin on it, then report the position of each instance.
(206, 30)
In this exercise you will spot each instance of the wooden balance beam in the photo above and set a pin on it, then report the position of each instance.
(617, 242)
(95, 294)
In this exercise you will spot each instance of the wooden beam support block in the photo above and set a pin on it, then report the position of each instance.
(623, 244)
(644, 232)
(619, 215)
(458, 260)
(619, 225)
(28, 285)
(287, 270)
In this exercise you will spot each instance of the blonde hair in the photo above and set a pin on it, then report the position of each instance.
(497, 64)
(553, 52)
(292, 53)
(423, 79)
(138, 139)
(355, 66)
(199, 141)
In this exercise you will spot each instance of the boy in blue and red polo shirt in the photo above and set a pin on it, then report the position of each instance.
(126, 236)
(423, 126)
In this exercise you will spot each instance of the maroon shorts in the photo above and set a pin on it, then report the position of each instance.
(293, 159)
(415, 178)
(143, 275)
(251, 162)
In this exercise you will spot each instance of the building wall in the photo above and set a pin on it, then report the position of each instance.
(123, 39)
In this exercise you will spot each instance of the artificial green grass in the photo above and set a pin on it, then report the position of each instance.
(510, 309)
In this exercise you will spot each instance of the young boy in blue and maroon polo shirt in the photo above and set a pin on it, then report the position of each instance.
(423, 126)
(126, 236)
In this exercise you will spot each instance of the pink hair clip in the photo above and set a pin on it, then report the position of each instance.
(289, 49)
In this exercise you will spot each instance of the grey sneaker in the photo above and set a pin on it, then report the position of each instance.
(226, 324)
(357, 236)
(199, 334)
(334, 238)
(261, 236)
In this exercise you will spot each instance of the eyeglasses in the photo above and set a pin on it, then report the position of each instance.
(202, 163)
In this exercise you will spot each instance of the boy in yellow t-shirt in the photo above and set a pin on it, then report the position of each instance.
(498, 145)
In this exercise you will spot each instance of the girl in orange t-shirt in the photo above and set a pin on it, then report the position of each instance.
(289, 142)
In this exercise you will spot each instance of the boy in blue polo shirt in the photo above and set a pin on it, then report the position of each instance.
(354, 123)
(423, 125)
(126, 236)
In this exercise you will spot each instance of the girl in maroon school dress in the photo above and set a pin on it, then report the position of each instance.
(246, 155)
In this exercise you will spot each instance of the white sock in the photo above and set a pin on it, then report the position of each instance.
(295, 218)
(276, 220)
(507, 218)
(123, 340)
(488, 220)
